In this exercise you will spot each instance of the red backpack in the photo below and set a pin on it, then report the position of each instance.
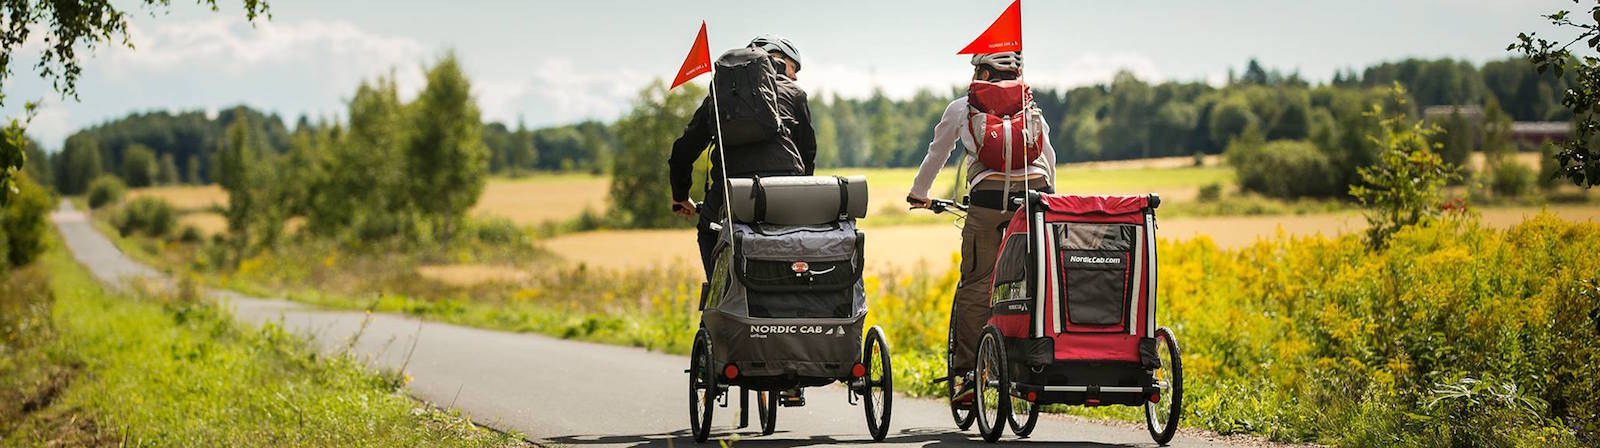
(1003, 119)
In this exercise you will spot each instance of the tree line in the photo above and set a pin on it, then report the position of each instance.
(1125, 118)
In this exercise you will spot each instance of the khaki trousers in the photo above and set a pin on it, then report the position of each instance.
(980, 243)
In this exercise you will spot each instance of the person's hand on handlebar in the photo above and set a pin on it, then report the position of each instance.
(918, 203)
(685, 208)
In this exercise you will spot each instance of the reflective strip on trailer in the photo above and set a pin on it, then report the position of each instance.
(1057, 292)
(1150, 239)
(1112, 389)
(1039, 293)
(1138, 270)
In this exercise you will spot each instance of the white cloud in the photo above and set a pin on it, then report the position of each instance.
(212, 63)
(235, 47)
(558, 91)
(1091, 68)
(860, 82)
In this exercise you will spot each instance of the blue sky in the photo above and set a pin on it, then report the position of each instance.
(560, 62)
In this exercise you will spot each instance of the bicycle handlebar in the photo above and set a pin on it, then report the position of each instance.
(945, 205)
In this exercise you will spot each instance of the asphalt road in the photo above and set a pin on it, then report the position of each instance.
(559, 392)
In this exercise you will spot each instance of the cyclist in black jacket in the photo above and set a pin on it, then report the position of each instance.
(793, 152)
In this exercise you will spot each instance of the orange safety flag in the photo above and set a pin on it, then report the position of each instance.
(1004, 35)
(698, 62)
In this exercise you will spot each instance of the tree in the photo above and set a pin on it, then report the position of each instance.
(1293, 120)
(1579, 157)
(1254, 74)
(364, 192)
(446, 160)
(827, 135)
(1405, 187)
(69, 26)
(139, 166)
(523, 152)
(245, 172)
(192, 171)
(854, 149)
(1230, 118)
(639, 172)
(1132, 109)
(167, 171)
(80, 164)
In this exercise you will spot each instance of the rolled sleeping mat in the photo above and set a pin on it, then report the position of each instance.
(798, 200)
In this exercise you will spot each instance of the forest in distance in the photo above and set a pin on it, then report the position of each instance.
(1125, 118)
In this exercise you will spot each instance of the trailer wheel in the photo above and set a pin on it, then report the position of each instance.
(1025, 410)
(993, 400)
(1161, 416)
(702, 387)
(877, 387)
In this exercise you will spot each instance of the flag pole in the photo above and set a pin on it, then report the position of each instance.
(722, 160)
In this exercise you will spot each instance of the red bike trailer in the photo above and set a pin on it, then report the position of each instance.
(1073, 317)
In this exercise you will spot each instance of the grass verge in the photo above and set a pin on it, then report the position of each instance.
(85, 366)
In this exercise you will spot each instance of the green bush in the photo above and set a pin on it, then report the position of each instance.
(189, 234)
(23, 223)
(1286, 169)
(106, 190)
(1209, 193)
(146, 215)
(497, 231)
(1511, 179)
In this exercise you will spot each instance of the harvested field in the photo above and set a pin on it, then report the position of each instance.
(472, 274)
(543, 197)
(186, 197)
(208, 223)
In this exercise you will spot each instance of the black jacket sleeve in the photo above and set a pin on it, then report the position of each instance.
(696, 137)
(805, 136)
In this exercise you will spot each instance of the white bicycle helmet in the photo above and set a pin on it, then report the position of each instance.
(1009, 61)
(772, 43)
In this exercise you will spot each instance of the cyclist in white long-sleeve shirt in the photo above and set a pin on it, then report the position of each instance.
(988, 215)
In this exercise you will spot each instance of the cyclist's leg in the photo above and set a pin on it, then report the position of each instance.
(980, 240)
(707, 240)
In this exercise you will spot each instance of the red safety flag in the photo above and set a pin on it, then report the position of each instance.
(1004, 35)
(698, 62)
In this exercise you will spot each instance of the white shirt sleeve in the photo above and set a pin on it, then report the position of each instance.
(946, 135)
(1049, 156)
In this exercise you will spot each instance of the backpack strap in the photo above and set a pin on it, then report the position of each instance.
(760, 195)
(976, 121)
(844, 198)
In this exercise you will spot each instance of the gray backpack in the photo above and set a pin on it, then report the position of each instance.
(746, 87)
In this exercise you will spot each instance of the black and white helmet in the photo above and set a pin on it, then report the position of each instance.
(772, 43)
(1009, 61)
